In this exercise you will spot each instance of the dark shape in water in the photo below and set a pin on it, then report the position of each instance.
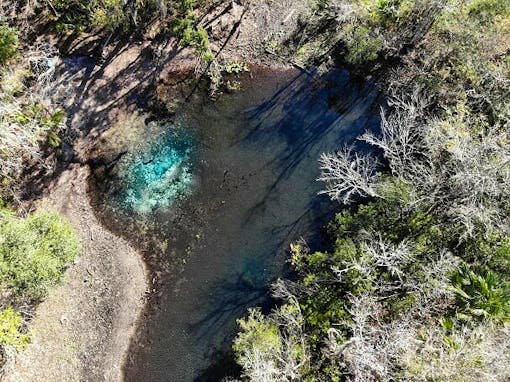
(255, 167)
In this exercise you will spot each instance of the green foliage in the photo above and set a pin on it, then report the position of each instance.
(389, 12)
(321, 5)
(499, 259)
(189, 34)
(271, 348)
(183, 28)
(72, 15)
(362, 46)
(34, 252)
(326, 308)
(256, 332)
(81, 15)
(53, 140)
(236, 68)
(481, 294)
(466, 49)
(325, 304)
(49, 123)
(399, 304)
(395, 191)
(201, 43)
(366, 33)
(57, 118)
(53, 123)
(9, 44)
(10, 325)
(491, 252)
(109, 13)
(185, 6)
(485, 11)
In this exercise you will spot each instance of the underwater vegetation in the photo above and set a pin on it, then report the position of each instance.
(158, 173)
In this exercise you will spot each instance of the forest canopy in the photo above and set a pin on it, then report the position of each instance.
(416, 287)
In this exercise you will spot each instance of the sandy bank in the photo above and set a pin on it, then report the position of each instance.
(81, 330)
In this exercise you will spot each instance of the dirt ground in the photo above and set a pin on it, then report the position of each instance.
(79, 329)
(82, 331)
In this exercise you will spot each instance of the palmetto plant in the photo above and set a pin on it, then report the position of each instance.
(481, 293)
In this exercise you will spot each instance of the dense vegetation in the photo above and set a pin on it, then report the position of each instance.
(28, 121)
(416, 287)
(8, 43)
(34, 253)
(34, 250)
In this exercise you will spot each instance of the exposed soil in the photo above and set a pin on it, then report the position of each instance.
(82, 331)
(79, 331)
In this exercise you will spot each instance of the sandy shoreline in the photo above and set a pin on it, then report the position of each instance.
(80, 329)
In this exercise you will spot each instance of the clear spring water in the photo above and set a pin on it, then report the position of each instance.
(214, 215)
(159, 174)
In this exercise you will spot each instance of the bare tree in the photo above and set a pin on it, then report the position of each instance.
(378, 344)
(463, 175)
(348, 174)
(400, 138)
(21, 133)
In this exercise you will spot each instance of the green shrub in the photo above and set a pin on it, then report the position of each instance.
(257, 332)
(183, 29)
(9, 43)
(485, 10)
(236, 68)
(201, 43)
(362, 46)
(389, 12)
(10, 324)
(481, 293)
(110, 14)
(189, 34)
(73, 15)
(81, 15)
(34, 252)
(270, 353)
(53, 139)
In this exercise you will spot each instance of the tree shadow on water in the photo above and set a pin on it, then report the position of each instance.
(222, 365)
(228, 299)
(309, 116)
(309, 108)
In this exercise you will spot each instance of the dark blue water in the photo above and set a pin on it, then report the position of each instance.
(217, 218)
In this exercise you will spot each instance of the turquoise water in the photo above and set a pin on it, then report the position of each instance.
(159, 174)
